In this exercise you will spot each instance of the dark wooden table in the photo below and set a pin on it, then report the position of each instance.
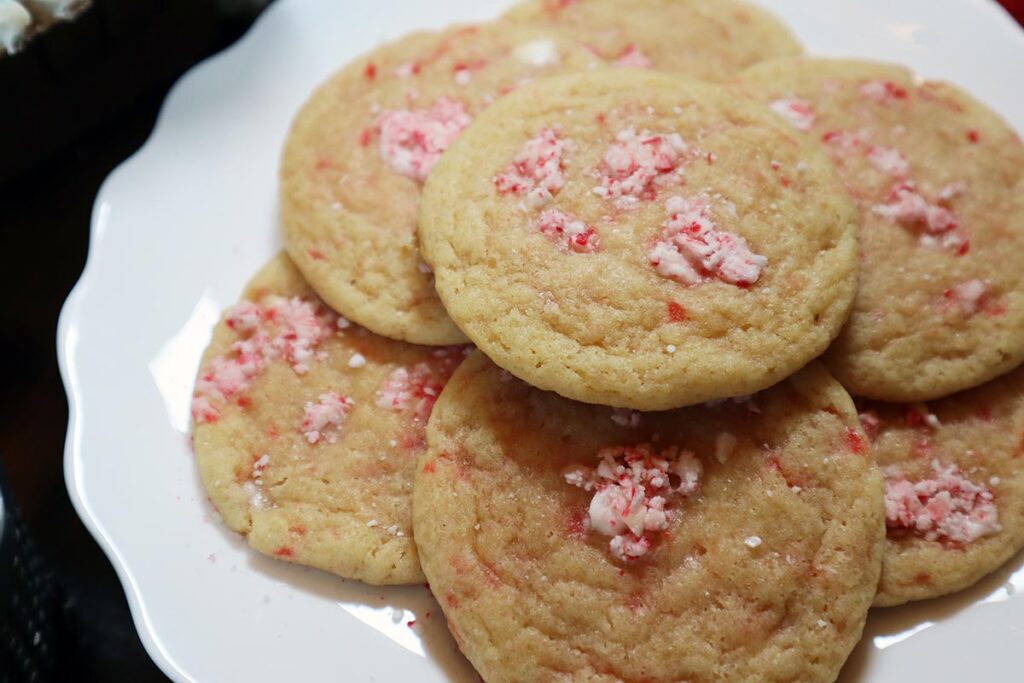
(44, 219)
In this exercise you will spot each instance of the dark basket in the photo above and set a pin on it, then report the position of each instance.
(30, 604)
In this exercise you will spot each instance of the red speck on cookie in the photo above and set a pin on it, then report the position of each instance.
(430, 467)
(365, 137)
(577, 524)
(973, 137)
(316, 254)
(854, 441)
(298, 529)
(452, 600)
(676, 313)
(284, 551)
(692, 250)
(412, 140)
(568, 232)
(536, 172)
(370, 72)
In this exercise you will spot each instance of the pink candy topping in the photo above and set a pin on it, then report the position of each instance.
(536, 171)
(278, 328)
(947, 507)
(412, 140)
(414, 389)
(967, 296)
(633, 56)
(632, 493)
(798, 113)
(568, 231)
(635, 162)
(908, 207)
(883, 91)
(890, 161)
(324, 419)
(692, 250)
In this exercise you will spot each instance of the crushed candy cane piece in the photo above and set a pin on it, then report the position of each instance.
(692, 250)
(540, 52)
(625, 417)
(276, 328)
(633, 56)
(945, 507)
(635, 163)
(537, 170)
(412, 140)
(324, 419)
(967, 296)
(633, 488)
(752, 541)
(908, 207)
(883, 91)
(568, 231)
(798, 113)
(889, 160)
(416, 389)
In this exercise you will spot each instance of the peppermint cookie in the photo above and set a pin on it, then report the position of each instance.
(939, 180)
(358, 154)
(954, 487)
(696, 38)
(307, 430)
(624, 238)
(739, 541)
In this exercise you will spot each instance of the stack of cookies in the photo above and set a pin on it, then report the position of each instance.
(571, 314)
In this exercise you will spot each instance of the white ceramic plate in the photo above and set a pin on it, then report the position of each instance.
(180, 227)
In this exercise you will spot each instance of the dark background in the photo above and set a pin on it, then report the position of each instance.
(65, 122)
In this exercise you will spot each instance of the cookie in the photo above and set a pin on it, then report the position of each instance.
(939, 180)
(739, 541)
(307, 430)
(954, 483)
(695, 38)
(624, 238)
(358, 153)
